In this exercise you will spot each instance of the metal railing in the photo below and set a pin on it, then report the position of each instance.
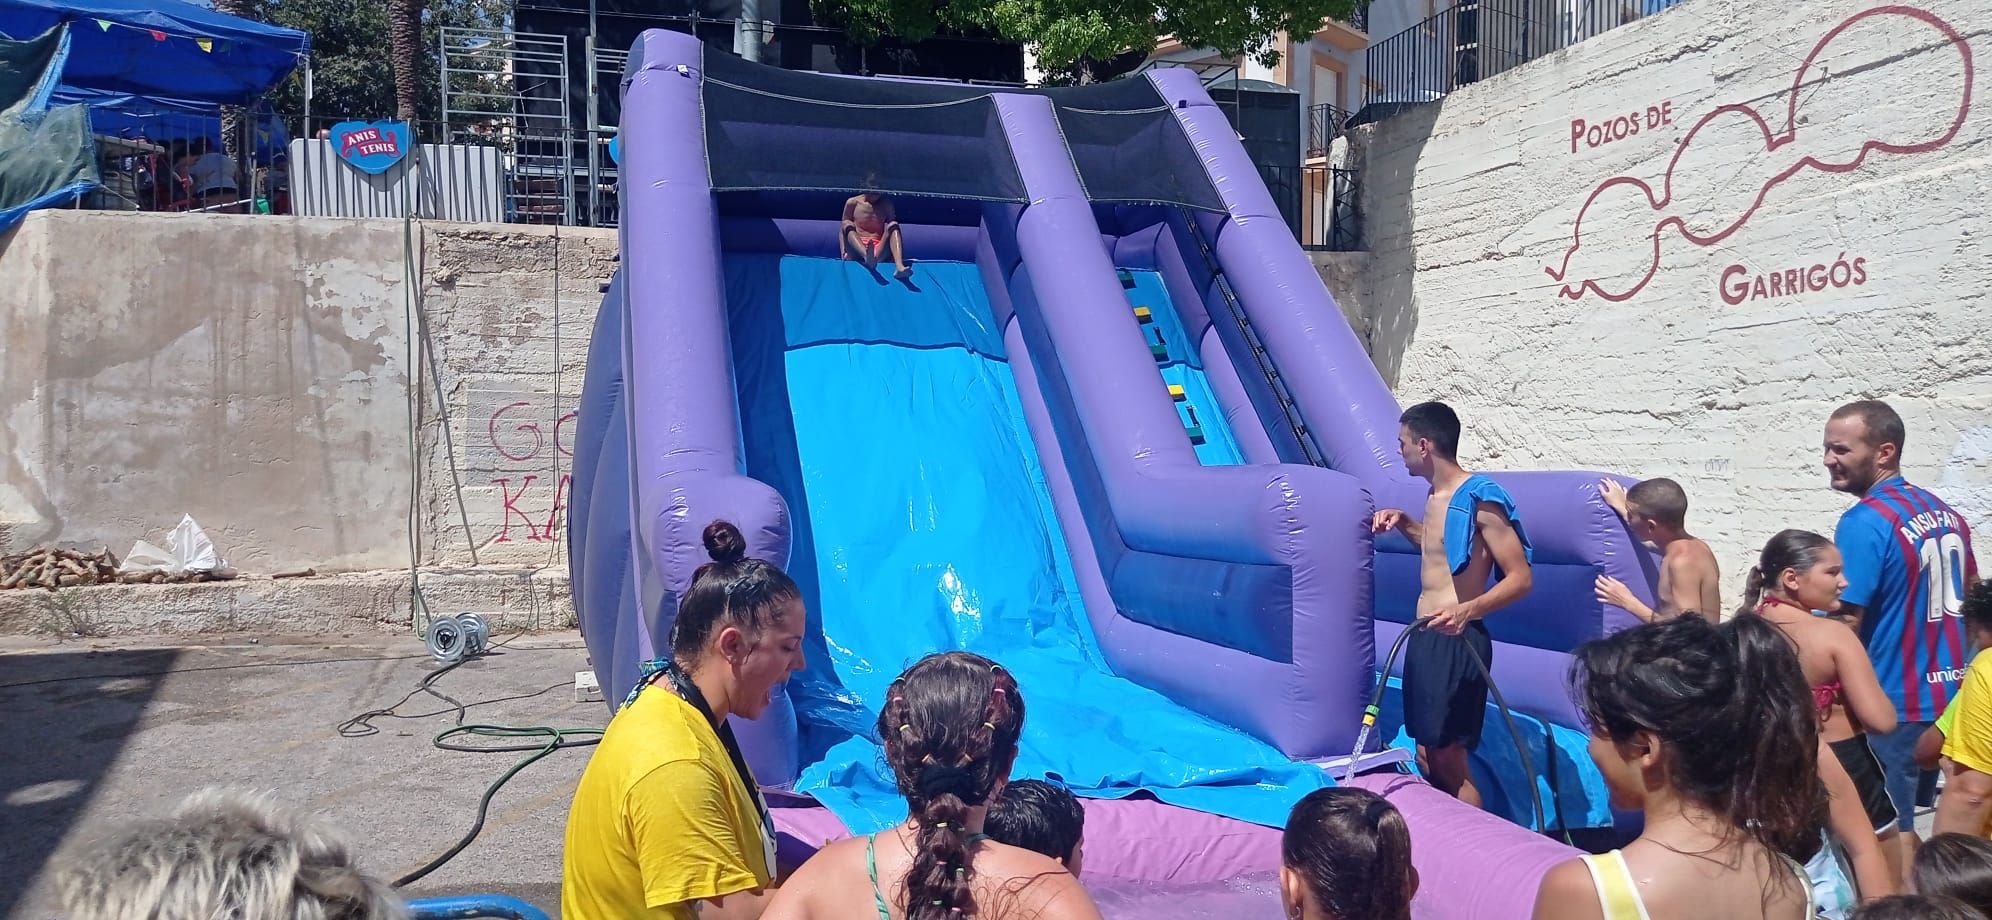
(1319, 203)
(494, 169)
(1324, 124)
(1475, 40)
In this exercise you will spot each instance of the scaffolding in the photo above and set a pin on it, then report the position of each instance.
(509, 90)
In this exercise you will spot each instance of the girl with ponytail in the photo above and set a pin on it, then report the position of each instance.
(1798, 573)
(949, 726)
(1723, 761)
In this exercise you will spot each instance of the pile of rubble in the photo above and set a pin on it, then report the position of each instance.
(62, 568)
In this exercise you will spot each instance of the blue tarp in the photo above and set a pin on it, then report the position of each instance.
(155, 47)
(888, 418)
(162, 120)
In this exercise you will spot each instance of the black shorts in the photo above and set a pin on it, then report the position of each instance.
(1445, 694)
(1869, 780)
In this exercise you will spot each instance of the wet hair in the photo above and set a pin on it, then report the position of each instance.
(224, 854)
(1882, 425)
(734, 589)
(1978, 606)
(1732, 712)
(1347, 844)
(1956, 866)
(1914, 907)
(1789, 549)
(1661, 501)
(949, 726)
(1039, 816)
(1435, 422)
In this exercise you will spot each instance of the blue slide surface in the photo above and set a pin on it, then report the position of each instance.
(888, 419)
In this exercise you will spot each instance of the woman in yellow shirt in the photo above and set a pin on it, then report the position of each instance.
(1966, 805)
(668, 821)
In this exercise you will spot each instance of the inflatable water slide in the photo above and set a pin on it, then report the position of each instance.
(1112, 432)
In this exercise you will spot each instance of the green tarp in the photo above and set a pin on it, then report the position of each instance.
(47, 155)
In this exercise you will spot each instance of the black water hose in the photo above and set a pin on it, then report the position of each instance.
(1371, 712)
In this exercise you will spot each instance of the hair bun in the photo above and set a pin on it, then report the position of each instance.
(724, 543)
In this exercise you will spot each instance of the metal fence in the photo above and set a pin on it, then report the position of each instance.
(1319, 203)
(1324, 124)
(1475, 40)
(493, 169)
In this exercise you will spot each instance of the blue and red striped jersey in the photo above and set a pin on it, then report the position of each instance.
(1908, 564)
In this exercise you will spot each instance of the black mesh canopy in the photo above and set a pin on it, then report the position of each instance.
(768, 128)
(1138, 156)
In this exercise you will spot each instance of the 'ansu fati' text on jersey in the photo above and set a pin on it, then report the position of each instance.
(1908, 564)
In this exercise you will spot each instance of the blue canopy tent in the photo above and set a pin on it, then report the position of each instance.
(162, 48)
(162, 120)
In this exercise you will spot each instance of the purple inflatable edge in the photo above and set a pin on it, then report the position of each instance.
(1162, 500)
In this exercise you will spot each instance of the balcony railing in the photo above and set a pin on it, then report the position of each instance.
(1477, 39)
(1324, 124)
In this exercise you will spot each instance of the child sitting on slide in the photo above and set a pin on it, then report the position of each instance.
(871, 224)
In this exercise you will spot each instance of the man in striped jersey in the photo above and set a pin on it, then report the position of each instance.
(1908, 561)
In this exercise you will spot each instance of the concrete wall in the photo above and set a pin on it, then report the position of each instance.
(248, 372)
(255, 372)
(1606, 349)
(510, 311)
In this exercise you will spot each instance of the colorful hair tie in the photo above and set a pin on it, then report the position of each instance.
(939, 824)
(989, 725)
(905, 728)
(998, 691)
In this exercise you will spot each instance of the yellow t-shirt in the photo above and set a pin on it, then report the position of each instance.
(659, 820)
(1968, 738)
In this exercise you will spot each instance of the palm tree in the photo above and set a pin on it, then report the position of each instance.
(231, 115)
(404, 35)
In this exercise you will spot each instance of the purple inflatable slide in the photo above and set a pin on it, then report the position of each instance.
(1204, 528)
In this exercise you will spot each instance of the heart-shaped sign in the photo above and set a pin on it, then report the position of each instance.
(372, 148)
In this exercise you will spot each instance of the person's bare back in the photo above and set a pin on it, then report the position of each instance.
(1690, 579)
(1008, 882)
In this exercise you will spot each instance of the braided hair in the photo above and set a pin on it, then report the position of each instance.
(950, 726)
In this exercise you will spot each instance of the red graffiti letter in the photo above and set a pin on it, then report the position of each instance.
(525, 453)
(559, 505)
(510, 500)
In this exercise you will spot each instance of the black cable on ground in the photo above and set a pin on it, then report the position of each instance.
(555, 739)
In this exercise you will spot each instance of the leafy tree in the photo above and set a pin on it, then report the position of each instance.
(1083, 39)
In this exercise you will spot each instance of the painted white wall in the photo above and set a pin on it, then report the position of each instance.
(1471, 205)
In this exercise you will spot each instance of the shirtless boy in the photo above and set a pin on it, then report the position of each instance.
(869, 224)
(1657, 512)
(1469, 528)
